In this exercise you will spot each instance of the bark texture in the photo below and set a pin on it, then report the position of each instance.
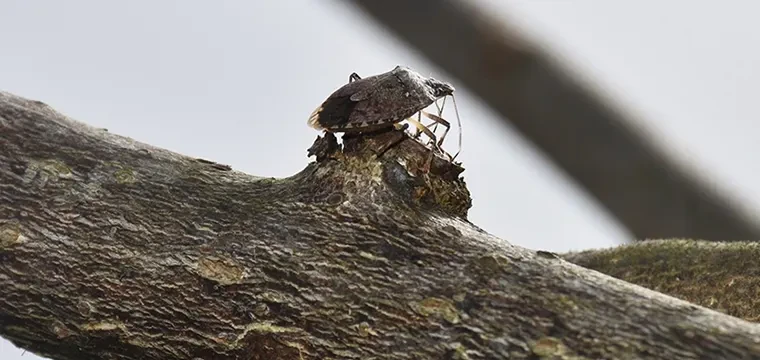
(112, 249)
(720, 276)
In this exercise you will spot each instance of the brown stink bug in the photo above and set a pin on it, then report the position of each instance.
(382, 101)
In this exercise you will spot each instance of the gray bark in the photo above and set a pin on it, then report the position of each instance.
(112, 249)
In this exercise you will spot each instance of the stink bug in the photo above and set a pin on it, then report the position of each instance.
(382, 101)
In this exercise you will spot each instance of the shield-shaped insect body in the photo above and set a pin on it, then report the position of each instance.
(378, 101)
(381, 101)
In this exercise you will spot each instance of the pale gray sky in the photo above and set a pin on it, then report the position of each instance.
(234, 82)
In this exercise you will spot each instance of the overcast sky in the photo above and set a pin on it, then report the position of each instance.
(235, 81)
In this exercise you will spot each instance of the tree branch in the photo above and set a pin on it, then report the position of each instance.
(596, 144)
(720, 276)
(112, 249)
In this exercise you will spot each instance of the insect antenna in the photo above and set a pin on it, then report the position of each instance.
(459, 125)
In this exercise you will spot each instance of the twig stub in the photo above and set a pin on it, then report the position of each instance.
(408, 169)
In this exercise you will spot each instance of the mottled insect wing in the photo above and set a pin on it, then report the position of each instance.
(335, 111)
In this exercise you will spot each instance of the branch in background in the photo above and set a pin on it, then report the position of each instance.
(596, 145)
(724, 277)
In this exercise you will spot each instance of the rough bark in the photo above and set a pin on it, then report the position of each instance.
(112, 249)
(721, 276)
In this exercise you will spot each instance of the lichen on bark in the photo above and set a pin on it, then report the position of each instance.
(724, 276)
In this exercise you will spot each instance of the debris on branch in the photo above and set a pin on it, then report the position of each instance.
(113, 249)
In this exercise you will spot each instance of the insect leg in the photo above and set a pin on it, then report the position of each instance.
(424, 129)
(400, 127)
(419, 131)
(439, 120)
(440, 111)
(442, 121)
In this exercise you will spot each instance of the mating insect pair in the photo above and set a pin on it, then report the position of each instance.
(383, 101)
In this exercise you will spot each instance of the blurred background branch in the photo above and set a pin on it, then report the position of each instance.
(598, 146)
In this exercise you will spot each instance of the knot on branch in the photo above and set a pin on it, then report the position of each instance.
(392, 166)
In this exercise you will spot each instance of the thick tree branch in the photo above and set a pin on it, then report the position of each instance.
(112, 249)
(720, 276)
